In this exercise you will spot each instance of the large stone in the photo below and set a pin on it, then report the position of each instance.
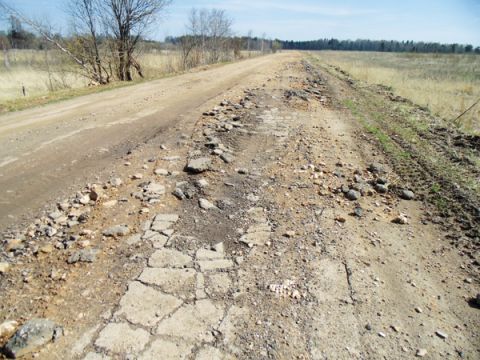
(169, 280)
(167, 350)
(31, 337)
(122, 339)
(169, 258)
(193, 322)
(146, 306)
(117, 230)
(198, 165)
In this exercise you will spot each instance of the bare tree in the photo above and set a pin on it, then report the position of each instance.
(126, 21)
(210, 31)
(47, 34)
(85, 22)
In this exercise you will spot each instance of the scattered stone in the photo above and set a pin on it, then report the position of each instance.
(154, 189)
(441, 334)
(227, 158)
(179, 194)
(289, 234)
(116, 182)
(117, 230)
(110, 204)
(120, 338)
(206, 205)
(85, 255)
(421, 353)
(407, 195)
(4, 267)
(55, 215)
(31, 336)
(201, 183)
(46, 249)
(418, 310)
(381, 334)
(358, 212)
(198, 165)
(340, 219)
(14, 245)
(381, 188)
(161, 172)
(243, 171)
(7, 328)
(401, 219)
(376, 168)
(353, 195)
(137, 176)
(171, 158)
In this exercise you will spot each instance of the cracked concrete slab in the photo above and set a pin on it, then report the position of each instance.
(193, 322)
(170, 280)
(120, 338)
(146, 306)
(167, 350)
(169, 258)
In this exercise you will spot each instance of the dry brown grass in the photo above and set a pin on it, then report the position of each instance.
(447, 84)
(50, 76)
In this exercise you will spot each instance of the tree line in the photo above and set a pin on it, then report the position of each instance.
(379, 45)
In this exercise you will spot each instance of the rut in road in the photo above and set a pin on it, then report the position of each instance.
(259, 253)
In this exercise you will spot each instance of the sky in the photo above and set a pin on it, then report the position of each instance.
(446, 21)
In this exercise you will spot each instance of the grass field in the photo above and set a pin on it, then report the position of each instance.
(49, 76)
(447, 84)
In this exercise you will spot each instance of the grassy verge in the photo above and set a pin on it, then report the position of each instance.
(430, 155)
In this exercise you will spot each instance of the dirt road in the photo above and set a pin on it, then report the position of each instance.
(284, 239)
(44, 150)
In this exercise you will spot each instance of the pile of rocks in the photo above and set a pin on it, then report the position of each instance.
(54, 229)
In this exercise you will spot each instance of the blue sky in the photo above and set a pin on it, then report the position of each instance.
(429, 20)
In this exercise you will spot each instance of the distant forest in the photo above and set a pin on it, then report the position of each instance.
(379, 45)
